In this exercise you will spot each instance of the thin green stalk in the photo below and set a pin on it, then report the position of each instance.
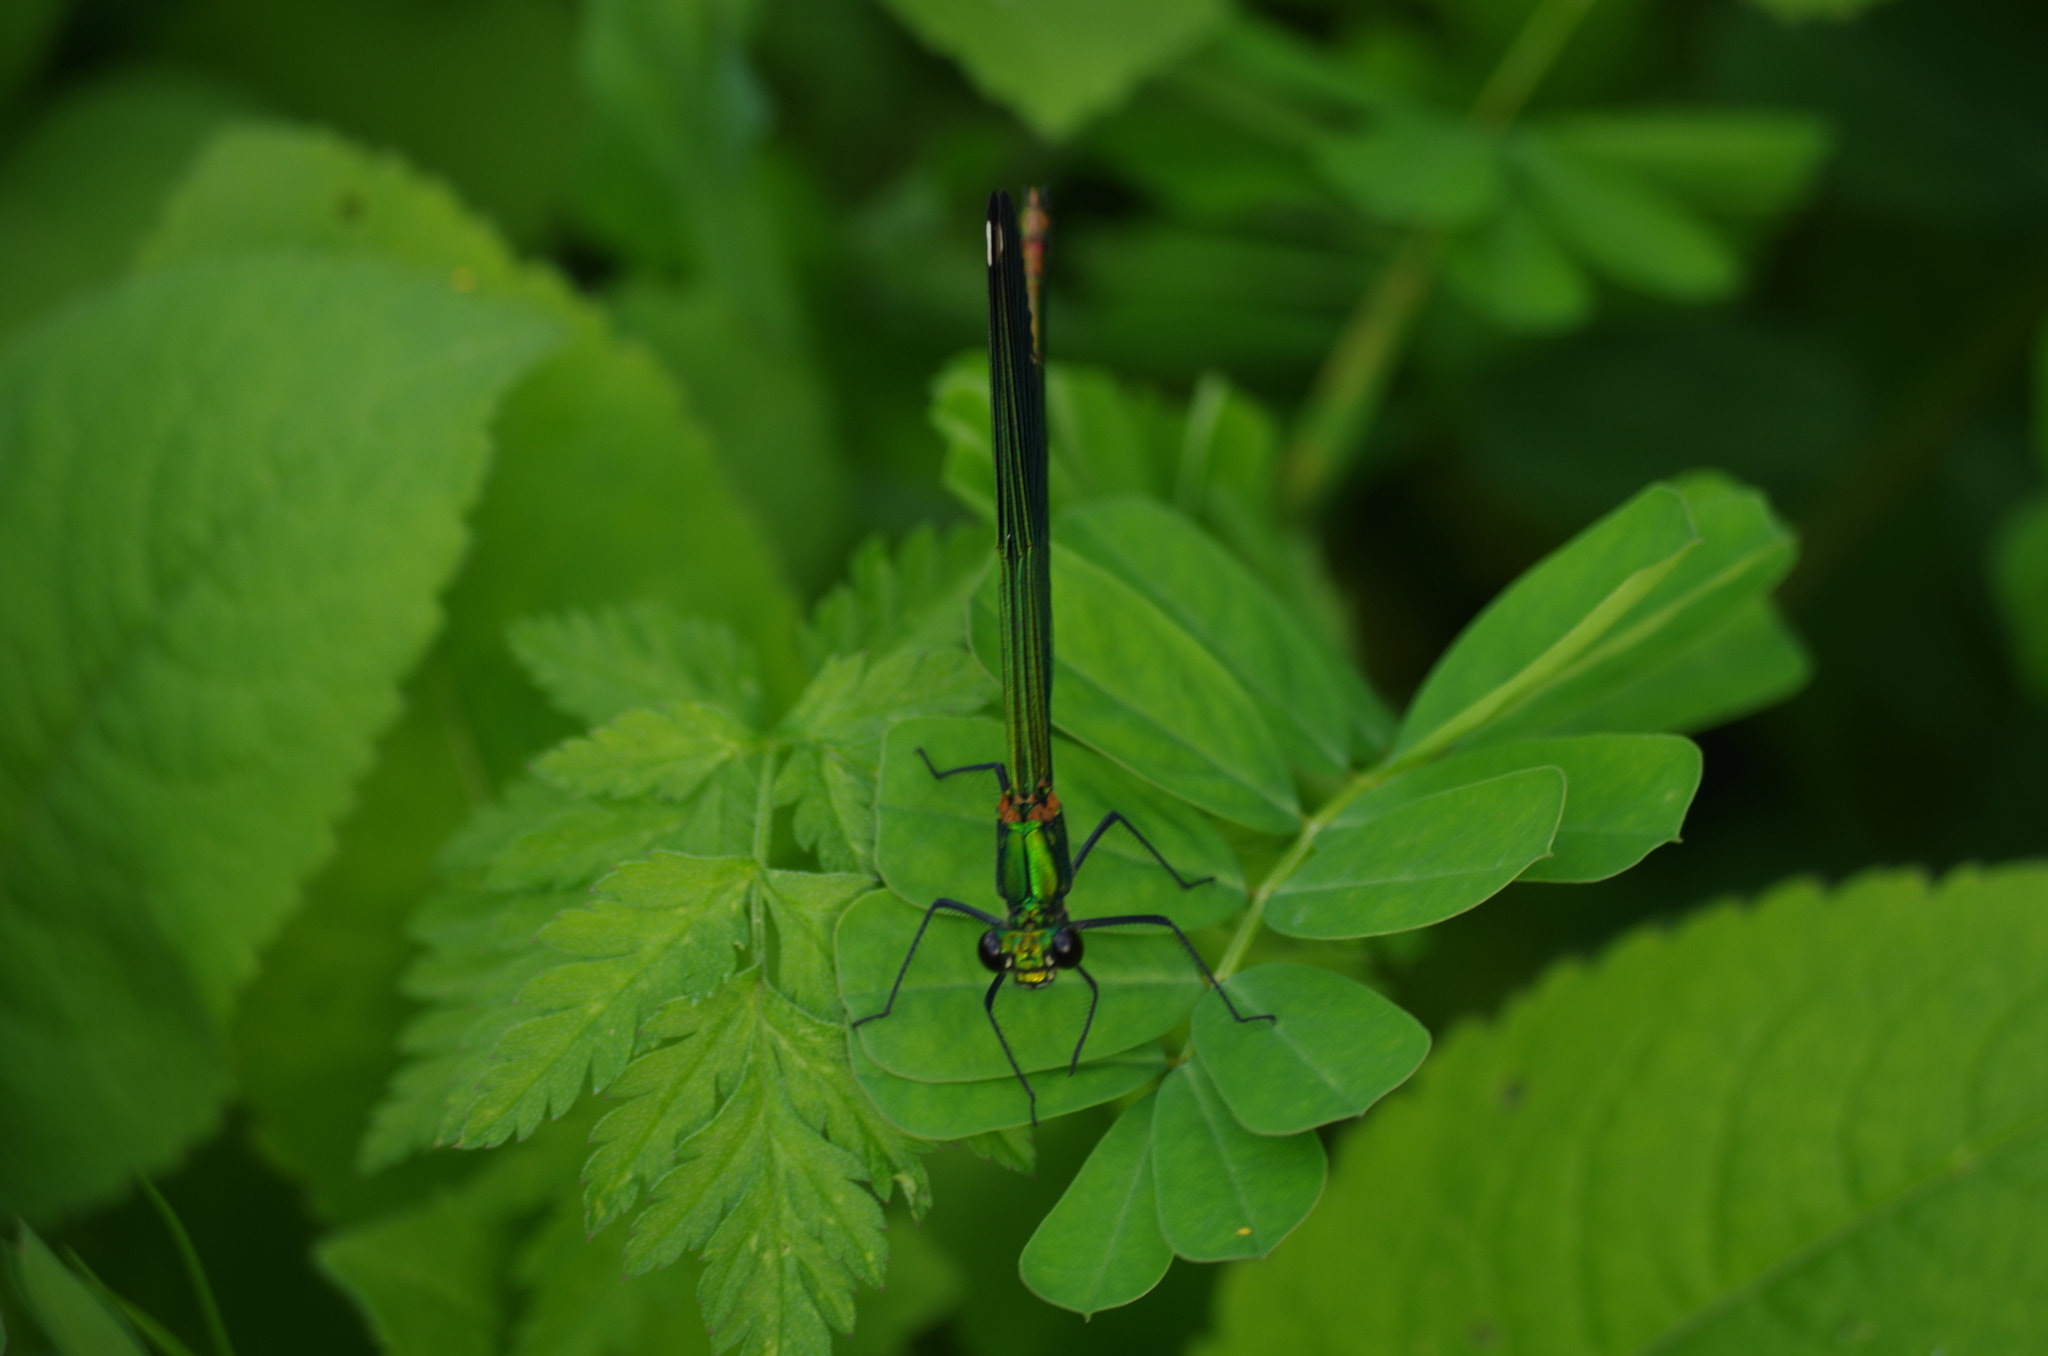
(1346, 396)
(209, 1309)
(1297, 853)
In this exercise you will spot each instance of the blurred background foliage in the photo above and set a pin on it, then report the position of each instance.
(1491, 265)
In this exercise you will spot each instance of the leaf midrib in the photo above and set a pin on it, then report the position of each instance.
(2013, 1140)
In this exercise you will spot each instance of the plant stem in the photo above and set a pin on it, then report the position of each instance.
(1346, 395)
(1296, 854)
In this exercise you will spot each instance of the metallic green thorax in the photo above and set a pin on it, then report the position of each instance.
(1033, 869)
(1033, 872)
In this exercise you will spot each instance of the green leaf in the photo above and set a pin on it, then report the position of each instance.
(1297, 685)
(1423, 862)
(74, 1319)
(1623, 225)
(664, 927)
(1132, 684)
(603, 486)
(1625, 795)
(840, 720)
(665, 1096)
(1738, 161)
(1060, 63)
(962, 1110)
(1101, 1245)
(668, 753)
(1413, 167)
(1225, 1192)
(1336, 1048)
(938, 1031)
(913, 598)
(1547, 620)
(935, 836)
(806, 907)
(215, 583)
(1514, 271)
(599, 664)
(85, 181)
(774, 1204)
(2019, 573)
(1813, 1122)
(1699, 647)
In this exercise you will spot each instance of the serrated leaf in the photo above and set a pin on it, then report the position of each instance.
(939, 1031)
(652, 515)
(935, 834)
(1100, 1246)
(1058, 64)
(1548, 620)
(839, 722)
(1225, 1192)
(912, 598)
(599, 664)
(1625, 795)
(1813, 1121)
(669, 926)
(852, 701)
(806, 907)
(576, 845)
(205, 628)
(665, 1096)
(668, 753)
(962, 1110)
(1334, 1048)
(1132, 684)
(769, 1190)
(1423, 862)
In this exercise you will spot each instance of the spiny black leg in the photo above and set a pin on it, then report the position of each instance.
(1161, 920)
(1002, 773)
(988, 1004)
(957, 907)
(1094, 997)
(1114, 818)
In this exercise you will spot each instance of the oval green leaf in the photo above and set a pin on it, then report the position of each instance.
(1815, 1123)
(1101, 1245)
(1335, 1048)
(1701, 645)
(1298, 685)
(1547, 620)
(1132, 684)
(939, 1032)
(1225, 1192)
(936, 836)
(957, 1110)
(1626, 794)
(1423, 862)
